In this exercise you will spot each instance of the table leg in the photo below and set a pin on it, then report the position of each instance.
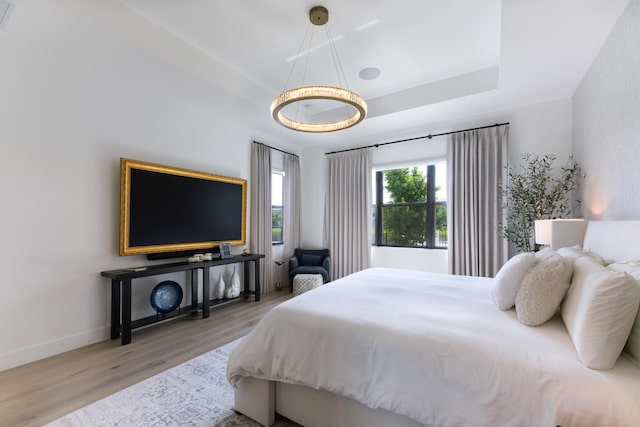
(247, 279)
(257, 279)
(126, 311)
(205, 292)
(194, 290)
(115, 309)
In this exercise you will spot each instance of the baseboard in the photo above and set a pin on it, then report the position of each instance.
(41, 351)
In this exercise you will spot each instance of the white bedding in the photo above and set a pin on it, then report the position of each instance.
(435, 348)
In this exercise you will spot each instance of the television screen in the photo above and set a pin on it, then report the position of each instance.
(167, 209)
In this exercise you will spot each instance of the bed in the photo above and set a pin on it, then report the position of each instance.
(394, 347)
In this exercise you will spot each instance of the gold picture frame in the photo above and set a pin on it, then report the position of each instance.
(131, 170)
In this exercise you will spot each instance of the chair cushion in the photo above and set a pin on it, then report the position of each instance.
(311, 259)
(310, 269)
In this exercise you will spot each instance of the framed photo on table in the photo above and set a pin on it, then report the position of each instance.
(225, 250)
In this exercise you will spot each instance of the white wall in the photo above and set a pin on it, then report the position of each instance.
(606, 132)
(539, 129)
(75, 96)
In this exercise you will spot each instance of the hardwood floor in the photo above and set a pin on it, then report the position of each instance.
(40, 392)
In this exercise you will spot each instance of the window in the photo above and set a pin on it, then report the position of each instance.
(410, 207)
(277, 212)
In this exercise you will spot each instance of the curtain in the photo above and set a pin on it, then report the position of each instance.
(347, 222)
(292, 207)
(476, 165)
(260, 235)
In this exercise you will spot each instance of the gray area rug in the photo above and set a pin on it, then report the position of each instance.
(195, 393)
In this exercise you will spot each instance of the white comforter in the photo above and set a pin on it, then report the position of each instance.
(435, 348)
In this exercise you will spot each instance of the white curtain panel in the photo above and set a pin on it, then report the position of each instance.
(292, 207)
(347, 222)
(260, 234)
(476, 162)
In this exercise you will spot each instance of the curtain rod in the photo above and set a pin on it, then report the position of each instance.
(417, 137)
(274, 148)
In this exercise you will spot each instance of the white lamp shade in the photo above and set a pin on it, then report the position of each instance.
(558, 233)
(542, 230)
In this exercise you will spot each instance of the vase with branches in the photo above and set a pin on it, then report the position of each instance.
(534, 191)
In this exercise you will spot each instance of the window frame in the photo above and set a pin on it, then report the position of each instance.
(430, 204)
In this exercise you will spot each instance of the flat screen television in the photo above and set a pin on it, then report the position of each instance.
(165, 209)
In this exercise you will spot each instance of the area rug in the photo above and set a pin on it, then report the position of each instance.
(195, 393)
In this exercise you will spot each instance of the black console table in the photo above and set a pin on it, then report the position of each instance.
(121, 291)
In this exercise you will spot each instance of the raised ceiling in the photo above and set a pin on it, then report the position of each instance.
(438, 61)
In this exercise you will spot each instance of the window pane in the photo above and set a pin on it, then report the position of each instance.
(404, 225)
(276, 224)
(441, 206)
(373, 225)
(277, 211)
(276, 189)
(405, 185)
(441, 225)
(441, 182)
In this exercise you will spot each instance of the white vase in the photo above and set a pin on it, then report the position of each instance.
(234, 288)
(220, 288)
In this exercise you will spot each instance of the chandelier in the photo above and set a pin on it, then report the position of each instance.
(319, 16)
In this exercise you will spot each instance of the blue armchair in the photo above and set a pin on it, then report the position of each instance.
(310, 261)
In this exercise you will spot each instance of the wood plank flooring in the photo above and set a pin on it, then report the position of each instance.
(40, 392)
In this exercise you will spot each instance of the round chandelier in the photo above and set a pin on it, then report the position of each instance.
(319, 16)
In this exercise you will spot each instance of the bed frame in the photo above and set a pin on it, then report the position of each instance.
(262, 399)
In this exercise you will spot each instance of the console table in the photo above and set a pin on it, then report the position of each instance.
(121, 323)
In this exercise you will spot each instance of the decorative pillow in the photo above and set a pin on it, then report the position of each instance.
(542, 290)
(630, 267)
(507, 281)
(311, 259)
(574, 252)
(633, 342)
(599, 311)
(545, 253)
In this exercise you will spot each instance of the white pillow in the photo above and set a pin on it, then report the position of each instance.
(630, 267)
(633, 342)
(599, 311)
(542, 290)
(507, 281)
(574, 252)
(545, 253)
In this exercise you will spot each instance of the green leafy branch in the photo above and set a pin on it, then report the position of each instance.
(534, 192)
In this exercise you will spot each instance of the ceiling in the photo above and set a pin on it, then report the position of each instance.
(439, 61)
